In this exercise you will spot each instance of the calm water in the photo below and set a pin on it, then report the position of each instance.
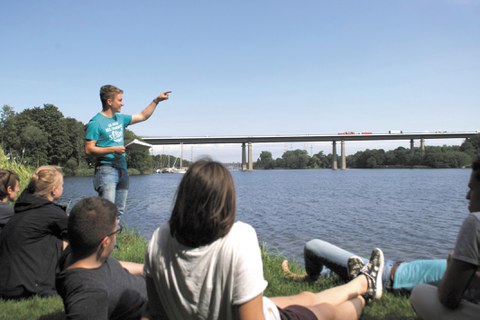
(410, 214)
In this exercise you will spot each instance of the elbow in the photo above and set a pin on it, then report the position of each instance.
(89, 151)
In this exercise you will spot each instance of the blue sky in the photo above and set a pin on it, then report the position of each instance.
(250, 67)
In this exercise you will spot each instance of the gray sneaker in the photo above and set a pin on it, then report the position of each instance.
(354, 265)
(373, 272)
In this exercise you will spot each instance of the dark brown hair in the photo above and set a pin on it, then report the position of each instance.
(108, 92)
(205, 204)
(90, 220)
(8, 178)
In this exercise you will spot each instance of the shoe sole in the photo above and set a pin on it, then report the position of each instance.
(378, 279)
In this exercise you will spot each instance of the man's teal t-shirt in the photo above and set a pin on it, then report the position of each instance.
(109, 132)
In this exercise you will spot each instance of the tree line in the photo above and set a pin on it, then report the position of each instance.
(42, 135)
(430, 157)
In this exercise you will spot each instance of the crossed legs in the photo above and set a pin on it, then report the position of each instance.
(341, 302)
(345, 301)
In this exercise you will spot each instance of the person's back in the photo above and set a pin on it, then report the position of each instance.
(202, 264)
(458, 295)
(32, 242)
(92, 284)
(119, 294)
(204, 282)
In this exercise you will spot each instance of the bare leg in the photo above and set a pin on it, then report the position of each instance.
(334, 296)
(351, 309)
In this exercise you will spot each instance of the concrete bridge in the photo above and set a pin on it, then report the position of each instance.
(340, 137)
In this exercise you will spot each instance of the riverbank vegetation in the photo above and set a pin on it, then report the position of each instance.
(42, 135)
(132, 247)
(430, 157)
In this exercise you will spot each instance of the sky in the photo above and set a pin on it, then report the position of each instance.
(250, 67)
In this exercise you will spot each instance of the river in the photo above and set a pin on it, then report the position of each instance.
(409, 213)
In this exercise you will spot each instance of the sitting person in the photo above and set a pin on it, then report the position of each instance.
(32, 241)
(458, 295)
(202, 264)
(399, 277)
(92, 284)
(9, 188)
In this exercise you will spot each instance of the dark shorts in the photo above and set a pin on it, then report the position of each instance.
(296, 312)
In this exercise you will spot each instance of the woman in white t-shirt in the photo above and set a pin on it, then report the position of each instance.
(202, 264)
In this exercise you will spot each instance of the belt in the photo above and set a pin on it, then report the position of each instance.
(103, 165)
(98, 165)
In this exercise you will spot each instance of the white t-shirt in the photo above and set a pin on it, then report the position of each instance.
(205, 282)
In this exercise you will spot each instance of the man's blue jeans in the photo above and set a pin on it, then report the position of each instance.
(319, 253)
(112, 184)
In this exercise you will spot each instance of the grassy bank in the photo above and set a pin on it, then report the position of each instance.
(132, 248)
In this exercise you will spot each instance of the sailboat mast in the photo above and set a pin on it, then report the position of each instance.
(181, 155)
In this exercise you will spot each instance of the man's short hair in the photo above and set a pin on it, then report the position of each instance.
(108, 92)
(90, 220)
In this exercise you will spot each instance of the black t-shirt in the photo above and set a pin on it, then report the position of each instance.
(107, 292)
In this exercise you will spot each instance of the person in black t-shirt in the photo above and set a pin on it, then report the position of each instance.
(92, 284)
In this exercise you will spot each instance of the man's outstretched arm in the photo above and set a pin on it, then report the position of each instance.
(148, 111)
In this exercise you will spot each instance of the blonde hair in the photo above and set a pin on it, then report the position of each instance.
(44, 180)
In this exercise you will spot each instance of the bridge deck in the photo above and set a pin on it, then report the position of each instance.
(156, 140)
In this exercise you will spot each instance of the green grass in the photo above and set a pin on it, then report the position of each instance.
(23, 172)
(132, 247)
(389, 307)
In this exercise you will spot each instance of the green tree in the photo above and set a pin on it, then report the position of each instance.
(471, 146)
(265, 161)
(296, 159)
(319, 160)
(10, 139)
(76, 136)
(34, 146)
(50, 120)
(138, 159)
(367, 159)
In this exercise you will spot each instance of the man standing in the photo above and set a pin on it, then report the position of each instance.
(105, 142)
(92, 284)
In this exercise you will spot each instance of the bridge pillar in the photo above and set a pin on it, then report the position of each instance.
(244, 158)
(422, 145)
(343, 156)
(250, 156)
(334, 155)
(411, 147)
